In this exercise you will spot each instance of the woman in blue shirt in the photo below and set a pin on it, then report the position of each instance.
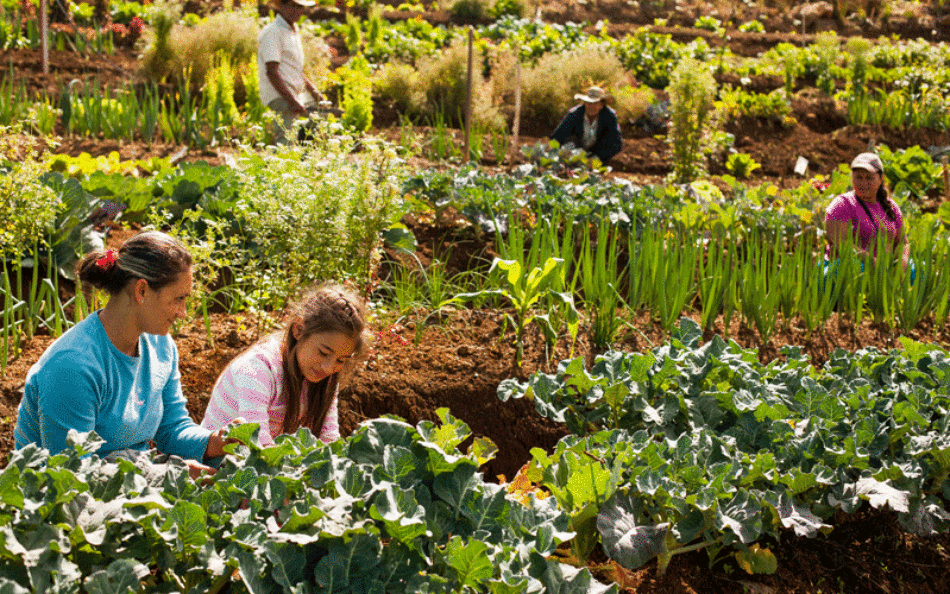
(116, 372)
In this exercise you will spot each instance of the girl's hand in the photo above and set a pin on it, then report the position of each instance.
(217, 441)
(197, 470)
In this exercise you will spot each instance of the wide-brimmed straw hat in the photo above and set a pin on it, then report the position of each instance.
(593, 95)
(868, 161)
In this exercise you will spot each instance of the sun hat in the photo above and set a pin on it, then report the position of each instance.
(594, 95)
(868, 161)
(304, 3)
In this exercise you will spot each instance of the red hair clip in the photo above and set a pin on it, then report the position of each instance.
(107, 260)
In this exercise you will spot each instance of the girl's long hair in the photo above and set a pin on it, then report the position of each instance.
(328, 307)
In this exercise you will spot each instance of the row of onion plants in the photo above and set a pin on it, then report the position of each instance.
(764, 277)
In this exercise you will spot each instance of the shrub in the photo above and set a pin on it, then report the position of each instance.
(191, 49)
(826, 50)
(741, 165)
(28, 208)
(218, 92)
(317, 211)
(515, 8)
(399, 84)
(158, 54)
(469, 9)
(357, 95)
(859, 48)
(692, 93)
(354, 33)
(631, 103)
(548, 89)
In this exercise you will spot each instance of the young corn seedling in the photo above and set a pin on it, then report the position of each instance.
(524, 289)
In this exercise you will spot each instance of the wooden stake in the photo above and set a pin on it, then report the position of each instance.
(44, 36)
(468, 94)
(517, 123)
(946, 179)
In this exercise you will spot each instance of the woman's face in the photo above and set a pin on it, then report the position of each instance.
(865, 183)
(320, 355)
(165, 306)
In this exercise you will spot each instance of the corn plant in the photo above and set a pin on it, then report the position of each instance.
(525, 289)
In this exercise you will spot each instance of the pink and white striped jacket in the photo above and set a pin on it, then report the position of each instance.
(250, 387)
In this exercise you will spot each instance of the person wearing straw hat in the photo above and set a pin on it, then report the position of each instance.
(592, 125)
(280, 60)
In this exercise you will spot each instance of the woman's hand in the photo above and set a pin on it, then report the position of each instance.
(217, 440)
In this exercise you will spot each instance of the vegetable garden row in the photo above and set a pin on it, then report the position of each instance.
(683, 448)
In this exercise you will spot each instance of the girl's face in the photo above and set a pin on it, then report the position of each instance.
(320, 355)
(865, 183)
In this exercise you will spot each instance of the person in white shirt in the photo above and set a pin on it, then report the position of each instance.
(280, 61)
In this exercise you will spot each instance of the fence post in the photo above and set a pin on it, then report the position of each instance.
(946, 178)
(44, 35)
(517, 123)
(468, 94)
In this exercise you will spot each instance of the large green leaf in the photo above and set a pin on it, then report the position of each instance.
(628, 537)
(120, 577)
(346, 561)
(470, 561)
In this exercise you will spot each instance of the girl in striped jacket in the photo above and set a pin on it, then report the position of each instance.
(291, 378)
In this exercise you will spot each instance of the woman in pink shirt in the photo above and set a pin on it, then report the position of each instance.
(865, 213)
(291, 378)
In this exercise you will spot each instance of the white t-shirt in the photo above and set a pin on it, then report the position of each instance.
(278, 42)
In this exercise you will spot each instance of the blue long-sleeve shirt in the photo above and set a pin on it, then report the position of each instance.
(84, 382)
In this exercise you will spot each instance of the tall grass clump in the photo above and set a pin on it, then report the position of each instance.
(158, 54)
(192, 50)
(442, 78)
(398, 84)
(549, 87)
(692, 94)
